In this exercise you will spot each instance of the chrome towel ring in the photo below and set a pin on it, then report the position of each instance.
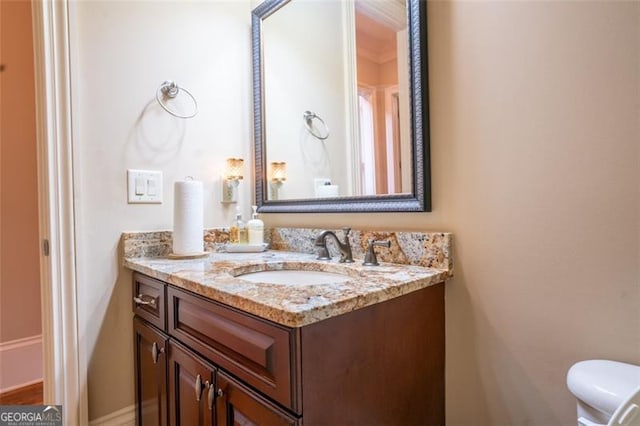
(170, 90)
(309, 116)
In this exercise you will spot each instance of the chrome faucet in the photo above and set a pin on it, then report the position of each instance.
(344, 247)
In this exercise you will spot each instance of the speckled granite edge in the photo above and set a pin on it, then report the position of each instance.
(219, 277)
(428, 249)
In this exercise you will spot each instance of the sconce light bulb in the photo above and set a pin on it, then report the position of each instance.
(234, 169)
(231, 180)
(278, 171)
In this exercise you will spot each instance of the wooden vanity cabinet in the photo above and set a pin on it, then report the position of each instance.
(380, 365)
(191, 388)
(217, 366)
(150, 364)
(176, 386)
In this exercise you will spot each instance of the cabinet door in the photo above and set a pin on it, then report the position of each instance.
(191, 388)
(151, 374)
(238, 405)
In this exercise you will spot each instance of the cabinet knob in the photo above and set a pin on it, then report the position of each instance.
(220, 393)
(198, 387)
(155, 352)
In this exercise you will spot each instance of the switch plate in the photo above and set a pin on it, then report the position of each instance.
(144, 186)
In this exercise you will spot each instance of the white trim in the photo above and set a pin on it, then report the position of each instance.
(20, 363)
(404, 92)
(20, 343)
(352, 127)
(123, 417)
(389, 13)
(64, 374)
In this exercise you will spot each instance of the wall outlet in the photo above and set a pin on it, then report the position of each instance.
(144, 186)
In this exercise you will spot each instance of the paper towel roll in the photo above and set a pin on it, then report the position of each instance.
(187, 217)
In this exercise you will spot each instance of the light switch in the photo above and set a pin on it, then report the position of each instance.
(144, 186)
(152, 188)
(140, 187)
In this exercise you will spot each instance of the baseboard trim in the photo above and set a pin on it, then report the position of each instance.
(123, 417)
(20, 386)
(20, 343)
(20, 363)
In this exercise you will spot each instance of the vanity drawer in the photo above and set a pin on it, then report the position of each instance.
(149, 300)
(256, 351)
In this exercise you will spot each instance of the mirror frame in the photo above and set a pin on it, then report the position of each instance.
(420, 199)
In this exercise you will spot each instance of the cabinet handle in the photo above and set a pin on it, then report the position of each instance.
(211, 397)
(155, 352)
(220, 393)
(198, 387)
(140, 300)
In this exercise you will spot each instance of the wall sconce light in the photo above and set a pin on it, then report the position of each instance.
(278, 176)
(231, 179)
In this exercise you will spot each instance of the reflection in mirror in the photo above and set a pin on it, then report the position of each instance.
(382, 59)
(306, 114)
(337, 98)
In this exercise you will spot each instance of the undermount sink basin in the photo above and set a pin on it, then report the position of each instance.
(294, 277)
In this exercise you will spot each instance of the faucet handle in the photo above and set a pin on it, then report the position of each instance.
(370, 258)
(346, 231)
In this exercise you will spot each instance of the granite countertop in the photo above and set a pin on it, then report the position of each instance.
(290, 305)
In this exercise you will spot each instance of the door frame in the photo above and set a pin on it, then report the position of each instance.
(64, 363)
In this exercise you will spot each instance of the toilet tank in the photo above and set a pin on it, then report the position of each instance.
(601, 386)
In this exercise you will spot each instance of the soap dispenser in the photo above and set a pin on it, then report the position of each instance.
(238, 230)
(256, 228)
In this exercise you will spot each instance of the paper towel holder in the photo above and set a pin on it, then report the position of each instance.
(231, 180)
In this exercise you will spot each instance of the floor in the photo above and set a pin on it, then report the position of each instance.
(28, 395)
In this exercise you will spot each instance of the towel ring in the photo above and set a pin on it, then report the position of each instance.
(309, 116)
(170, 90)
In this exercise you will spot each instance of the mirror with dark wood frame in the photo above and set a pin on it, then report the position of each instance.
(340, 97)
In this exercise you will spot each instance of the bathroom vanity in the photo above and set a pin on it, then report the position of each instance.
(213, 348)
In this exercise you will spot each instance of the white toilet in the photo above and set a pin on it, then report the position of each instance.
(608, 392)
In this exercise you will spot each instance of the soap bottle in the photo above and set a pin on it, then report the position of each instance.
(256, 228)
(238, 230)
(243, 236)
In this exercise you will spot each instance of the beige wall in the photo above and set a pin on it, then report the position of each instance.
(534, 145)
(368, 71)
(19, 265)
(120, 53)
(389, 72)
(535, 169)
(374, 74)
